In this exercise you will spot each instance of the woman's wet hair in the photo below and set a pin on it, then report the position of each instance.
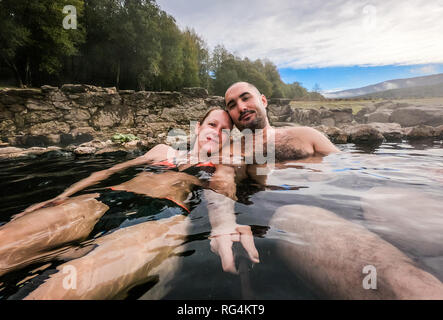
(209, 112)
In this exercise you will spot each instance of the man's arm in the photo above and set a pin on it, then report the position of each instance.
(221, 201)
(320, 143)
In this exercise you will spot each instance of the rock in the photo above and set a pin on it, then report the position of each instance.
(17, 108)
(47, 89)
(121, 92)
(390, 131)
(78, 115)
(360, 116)
(279, 101)
(336, 135)
(438, 133)
(10, 150)
(53, 139)
(79, 88)
(420, 132)
(329, 122)
(181, 116)
(49, 127)
(24, 93)
(342, 115)
(307, 116)
(215, 101)
(379, 116)
(413, 116)
(32, 104)
(364, 134)
(84, 150)
(7, 127)
(37, 117)
(196, 92)
(280, 112)
(109, 116)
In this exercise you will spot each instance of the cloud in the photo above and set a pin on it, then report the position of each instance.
(303, 34)
(424, 70)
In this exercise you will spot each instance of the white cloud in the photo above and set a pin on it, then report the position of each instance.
(317, 33)
(424, 70)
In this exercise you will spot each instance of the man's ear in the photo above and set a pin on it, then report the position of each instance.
(264, 100)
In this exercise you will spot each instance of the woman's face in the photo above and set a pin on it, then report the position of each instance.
(213, 133)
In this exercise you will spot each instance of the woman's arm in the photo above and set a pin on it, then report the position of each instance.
(225, 231)
(157, 153)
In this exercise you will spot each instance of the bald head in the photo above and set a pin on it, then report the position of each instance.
(250, 85)
(246, 106)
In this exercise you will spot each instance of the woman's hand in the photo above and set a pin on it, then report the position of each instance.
(221, 244)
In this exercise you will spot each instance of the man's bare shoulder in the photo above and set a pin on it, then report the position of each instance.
(301, 129)
(300, 132)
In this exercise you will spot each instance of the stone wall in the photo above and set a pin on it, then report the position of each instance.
(83, 118)
(80, 113)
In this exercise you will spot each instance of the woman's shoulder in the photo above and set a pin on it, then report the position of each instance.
(161, 152)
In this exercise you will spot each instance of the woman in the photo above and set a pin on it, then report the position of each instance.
(44, 230)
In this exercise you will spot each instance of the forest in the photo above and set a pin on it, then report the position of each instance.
(127, 44)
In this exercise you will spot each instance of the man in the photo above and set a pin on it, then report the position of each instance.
(247, 108)
(323, 248)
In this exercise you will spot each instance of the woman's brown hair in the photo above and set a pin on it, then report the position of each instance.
(209, 111)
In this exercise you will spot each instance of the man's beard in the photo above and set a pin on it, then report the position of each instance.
(259, 122)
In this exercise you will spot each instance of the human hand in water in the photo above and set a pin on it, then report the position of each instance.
(221, 244)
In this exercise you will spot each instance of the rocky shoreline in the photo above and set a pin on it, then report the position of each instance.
(361, 134)
(79, 120)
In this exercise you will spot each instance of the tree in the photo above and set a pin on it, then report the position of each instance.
(34, 43)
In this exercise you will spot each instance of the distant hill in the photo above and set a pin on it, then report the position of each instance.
(431, 82)
(404, 93)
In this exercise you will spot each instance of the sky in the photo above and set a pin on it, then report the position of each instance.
(336, 44)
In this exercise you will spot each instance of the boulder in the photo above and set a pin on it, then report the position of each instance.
(280, 112)
(378, 116)
(336, 135)
(413, 116)
(390, 131)
(343, 115)
(364, 134)
(438, 133)
(84, 151)
(420, 132)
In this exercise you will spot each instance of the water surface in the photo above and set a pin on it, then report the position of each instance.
(393, 190)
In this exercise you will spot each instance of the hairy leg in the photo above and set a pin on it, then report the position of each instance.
(330, 253)
(410, 219)
(120, 261)
(38, 235)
